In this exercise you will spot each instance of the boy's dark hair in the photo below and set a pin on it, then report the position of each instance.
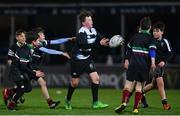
(19, 32)
(145, 23)
(83, 14)
(38, 30)
(159, 25)
(31, 36)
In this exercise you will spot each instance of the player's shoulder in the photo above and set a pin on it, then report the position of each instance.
(165, 40)
(13, 47)
(85, 30)
(82, 30)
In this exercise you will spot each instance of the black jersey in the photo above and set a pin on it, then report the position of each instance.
(163, 51)
(21, 57)
(37, 59)
(138, 50)
(86, 40)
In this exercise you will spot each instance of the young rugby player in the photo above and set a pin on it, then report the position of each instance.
(81, 59)
(20, 55)
(138, 52)
(39, 44)
(163, 54)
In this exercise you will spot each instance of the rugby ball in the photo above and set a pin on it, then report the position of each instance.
(115, 41)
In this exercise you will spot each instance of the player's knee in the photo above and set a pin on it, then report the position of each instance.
(127, 87)
(95, 80)
(74, 84)
(160, 84)
(20, 89)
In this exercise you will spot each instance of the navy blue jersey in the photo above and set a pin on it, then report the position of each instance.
(138, 50)
(164, 50)
(86, 40)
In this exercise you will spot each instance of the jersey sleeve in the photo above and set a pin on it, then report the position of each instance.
(50, 51)
(11, 53)
(128, 51)
(168, 51)
(58, 41)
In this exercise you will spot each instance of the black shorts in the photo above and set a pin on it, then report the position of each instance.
(159, 72)
(35, 67)
(17, 75)
(137, 74)
(79, 67)
(34, 78)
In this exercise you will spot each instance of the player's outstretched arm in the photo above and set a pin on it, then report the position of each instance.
(61, 40)
(52, 51)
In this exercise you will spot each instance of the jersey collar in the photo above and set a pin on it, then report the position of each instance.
(144, 31)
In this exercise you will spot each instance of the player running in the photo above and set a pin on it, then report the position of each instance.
(20, 55)
(39, 51)
(163, 54)
(81, 60)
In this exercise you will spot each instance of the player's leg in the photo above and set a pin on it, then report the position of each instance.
(132, 89)
(72, 86)
(52, 104)
(18, 93)
(141, 79)
(160, 85)
(77, 68)
(125, 96)
(147, 88)
(7, 94)
(94, 88)
(137, 97)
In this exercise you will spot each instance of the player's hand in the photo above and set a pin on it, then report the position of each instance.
(66, 55)
(126, 64)
(40, 74)
(161, 64)
(104, 42)
(72, 38)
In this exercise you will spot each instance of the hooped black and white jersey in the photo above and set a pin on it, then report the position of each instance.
(87, 40)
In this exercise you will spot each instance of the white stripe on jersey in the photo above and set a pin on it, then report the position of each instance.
(82, 57)
(167, 43)
(83, 30)
(140, 51)
(92, 40)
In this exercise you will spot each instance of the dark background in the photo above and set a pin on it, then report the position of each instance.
(59, 19)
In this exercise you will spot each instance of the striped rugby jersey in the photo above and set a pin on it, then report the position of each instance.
(86, 40)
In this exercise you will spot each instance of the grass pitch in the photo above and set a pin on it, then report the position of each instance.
(82, 103)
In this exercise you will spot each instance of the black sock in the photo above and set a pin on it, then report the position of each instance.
(143, 99)
(164, 101)
(19, 92)
(70, 92)
(94, 89)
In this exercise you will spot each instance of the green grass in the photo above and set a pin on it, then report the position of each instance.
(82, 102)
